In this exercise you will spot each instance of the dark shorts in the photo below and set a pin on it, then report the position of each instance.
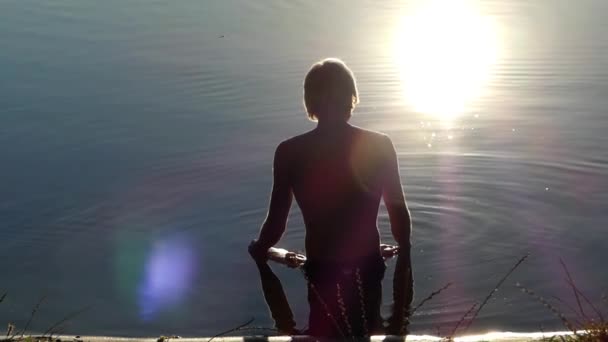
(345, 298)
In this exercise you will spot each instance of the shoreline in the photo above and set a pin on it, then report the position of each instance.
(491, 336)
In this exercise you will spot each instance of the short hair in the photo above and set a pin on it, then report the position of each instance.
(330, 89)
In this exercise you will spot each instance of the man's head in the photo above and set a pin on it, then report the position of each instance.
(330, 91)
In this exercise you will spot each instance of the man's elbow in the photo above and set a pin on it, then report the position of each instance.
(271, 233)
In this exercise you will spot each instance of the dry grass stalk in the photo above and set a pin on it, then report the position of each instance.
(571, 309)
(578, 293)
(429, 297)
(233, 329)
(548, 305)
(466, 314)
(590, 329)
(325, 307)
(67, 317)
(29, 321)
(10, 329)
(342, 307)
(362, 301)
(495, 289)
(574, 289)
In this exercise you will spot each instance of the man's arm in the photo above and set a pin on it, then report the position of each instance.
(392, 194)
(401, 227)
(280, 203)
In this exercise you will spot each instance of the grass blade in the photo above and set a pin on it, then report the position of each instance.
(500, 282)
(574, 289)
(451, 336)
(65, 319)
(429, 297)
(233, 329)
(29, 321)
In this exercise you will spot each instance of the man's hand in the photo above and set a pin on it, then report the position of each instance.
(285, 257)
(388, 251)
(260, 255)
(294, 260)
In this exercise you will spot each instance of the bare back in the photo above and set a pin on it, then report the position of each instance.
(337, 177)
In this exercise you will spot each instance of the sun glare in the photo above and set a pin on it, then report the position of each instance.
(445, 50)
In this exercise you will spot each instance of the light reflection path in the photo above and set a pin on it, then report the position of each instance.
(451, 226)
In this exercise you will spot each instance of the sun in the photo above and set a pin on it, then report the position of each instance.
(446, 51)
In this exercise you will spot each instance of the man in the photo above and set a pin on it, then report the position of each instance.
(338, 173)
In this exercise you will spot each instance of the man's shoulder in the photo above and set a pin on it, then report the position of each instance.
(295, 141)
(291, 145)
(372, 136)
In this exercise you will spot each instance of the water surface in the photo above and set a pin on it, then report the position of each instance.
(136, 141)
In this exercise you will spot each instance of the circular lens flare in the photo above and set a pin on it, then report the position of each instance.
(169, 275)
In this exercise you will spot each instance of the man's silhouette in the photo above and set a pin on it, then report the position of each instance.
(338, 173)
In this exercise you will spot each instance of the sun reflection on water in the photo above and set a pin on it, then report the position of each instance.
(446, 51)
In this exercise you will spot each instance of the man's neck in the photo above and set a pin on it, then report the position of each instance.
(332, 125)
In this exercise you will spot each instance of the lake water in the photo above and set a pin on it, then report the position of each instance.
(136, 142)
